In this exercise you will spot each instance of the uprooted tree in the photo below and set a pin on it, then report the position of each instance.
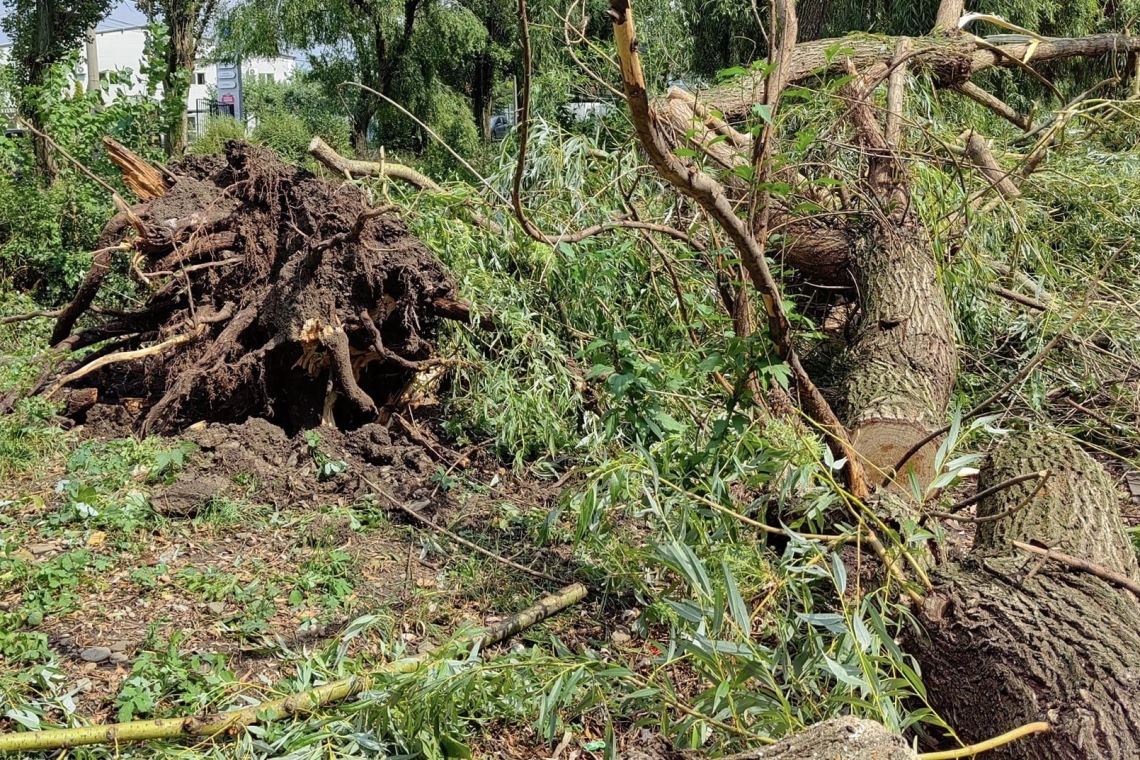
(271, 293)
(1008, 642)
(274, 293)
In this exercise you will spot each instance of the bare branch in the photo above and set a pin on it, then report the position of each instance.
(711, 195)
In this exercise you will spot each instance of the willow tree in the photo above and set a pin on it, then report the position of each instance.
(415, 52)
(1005, 644)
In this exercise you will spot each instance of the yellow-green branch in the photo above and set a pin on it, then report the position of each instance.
(306, 701)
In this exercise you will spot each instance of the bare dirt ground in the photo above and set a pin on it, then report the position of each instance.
(262, 548)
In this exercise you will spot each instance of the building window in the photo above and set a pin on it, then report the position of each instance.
(265, 78)
(199, 77)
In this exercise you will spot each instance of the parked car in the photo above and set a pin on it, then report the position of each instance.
(501, 124)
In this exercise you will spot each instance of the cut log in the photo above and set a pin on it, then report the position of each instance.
(848, 737)
(1011, 639)
(902, 363)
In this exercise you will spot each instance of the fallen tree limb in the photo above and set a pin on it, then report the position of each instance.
(711, 196)
(348, 167)
(1038, 727)
(951, 60)
(1083, 565)
(230, 723)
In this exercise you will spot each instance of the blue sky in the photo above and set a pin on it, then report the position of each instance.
(124, 14)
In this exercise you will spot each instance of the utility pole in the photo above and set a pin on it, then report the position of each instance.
(92, 60)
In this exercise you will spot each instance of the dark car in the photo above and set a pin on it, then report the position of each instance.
(11, 133)
(501, 125)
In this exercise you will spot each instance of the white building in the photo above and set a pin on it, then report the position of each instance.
(214, 88)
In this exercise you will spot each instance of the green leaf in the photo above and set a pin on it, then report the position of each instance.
(454, 748)
(839, 572)
(764, 111)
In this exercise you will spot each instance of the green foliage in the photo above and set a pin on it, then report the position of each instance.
(165, 679)
(288, 114)
(46, 235)
(43, 34)
(218, 131)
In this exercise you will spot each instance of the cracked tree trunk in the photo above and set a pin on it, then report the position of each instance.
(1011, 639)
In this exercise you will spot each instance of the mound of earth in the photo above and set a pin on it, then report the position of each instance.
(270, 293)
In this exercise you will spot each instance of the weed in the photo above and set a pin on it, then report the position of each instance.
(327, 468)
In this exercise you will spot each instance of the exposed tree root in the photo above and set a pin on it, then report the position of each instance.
(258, 276)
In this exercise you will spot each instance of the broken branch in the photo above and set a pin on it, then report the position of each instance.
(1076, 563)
(711, 195)
(300, 702)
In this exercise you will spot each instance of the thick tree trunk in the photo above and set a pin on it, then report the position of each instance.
(1012, 640)
(902, 363)
(812, 17)
(31, 93)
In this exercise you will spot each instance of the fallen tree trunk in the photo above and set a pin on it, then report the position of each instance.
(847, 737)
(901, 363)
(1011, 638)
(950, 59)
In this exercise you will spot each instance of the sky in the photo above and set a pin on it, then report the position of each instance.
(124, 14)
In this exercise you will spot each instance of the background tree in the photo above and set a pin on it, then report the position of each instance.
(43, 32)
(408, 50)
(186, 23)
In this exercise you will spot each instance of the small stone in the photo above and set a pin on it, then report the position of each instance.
(118, 658)
(95, 654)
(216, 608)
(38, 549)
(119, 646)
(619, 638)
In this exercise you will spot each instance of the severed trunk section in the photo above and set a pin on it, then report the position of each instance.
(1013, 639)
(848, 737)
(902, 363)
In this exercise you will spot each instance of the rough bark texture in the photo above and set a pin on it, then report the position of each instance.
(1075, 512)
(902, 362)
(1012, 640)
(949, 59)
(847, 738)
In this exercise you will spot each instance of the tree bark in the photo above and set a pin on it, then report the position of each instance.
(902, 363)
(949, 59)
(1011, 639)
(32, 92)
(847, 737)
